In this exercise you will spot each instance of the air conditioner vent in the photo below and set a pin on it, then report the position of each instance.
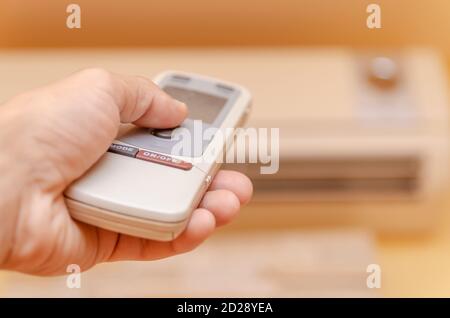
(334, 177)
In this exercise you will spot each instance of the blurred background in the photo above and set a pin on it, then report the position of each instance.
(363, 137)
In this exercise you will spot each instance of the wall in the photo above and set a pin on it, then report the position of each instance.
(231, 22)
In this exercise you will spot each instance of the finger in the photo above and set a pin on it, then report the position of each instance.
(223, 204)
(200, 226)
(219, 205)
(235, 182)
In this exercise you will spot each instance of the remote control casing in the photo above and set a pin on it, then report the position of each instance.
(149, 199)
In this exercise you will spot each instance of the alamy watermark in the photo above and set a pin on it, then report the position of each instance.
(74, 278)
(73, 20)
(242, 145)
(374, 278)
(373, 20)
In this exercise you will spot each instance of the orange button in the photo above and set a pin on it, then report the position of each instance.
(163, 159)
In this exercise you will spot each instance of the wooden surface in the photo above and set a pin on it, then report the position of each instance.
(411, 266)
(264, 264)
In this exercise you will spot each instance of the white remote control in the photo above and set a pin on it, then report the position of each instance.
(139, 187)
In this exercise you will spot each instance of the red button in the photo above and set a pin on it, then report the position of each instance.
(163, 159)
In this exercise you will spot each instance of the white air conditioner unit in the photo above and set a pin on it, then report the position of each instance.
(363, 140)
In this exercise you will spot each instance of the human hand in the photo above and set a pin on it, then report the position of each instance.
(52, 135)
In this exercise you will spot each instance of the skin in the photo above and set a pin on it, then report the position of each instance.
(51, 136)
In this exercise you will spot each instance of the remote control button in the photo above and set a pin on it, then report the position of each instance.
(163, 159)
(163, 133)
(123, 150)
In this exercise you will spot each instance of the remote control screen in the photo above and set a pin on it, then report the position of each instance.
(201, 106)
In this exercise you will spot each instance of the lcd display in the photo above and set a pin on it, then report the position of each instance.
(201, 106)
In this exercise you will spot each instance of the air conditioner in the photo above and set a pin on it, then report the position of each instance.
(363, 141)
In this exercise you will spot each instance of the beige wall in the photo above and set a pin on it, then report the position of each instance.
(230, 22)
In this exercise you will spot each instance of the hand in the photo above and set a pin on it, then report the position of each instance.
(49, 137)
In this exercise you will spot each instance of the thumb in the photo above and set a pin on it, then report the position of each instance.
(137, 99)
(79, 116)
